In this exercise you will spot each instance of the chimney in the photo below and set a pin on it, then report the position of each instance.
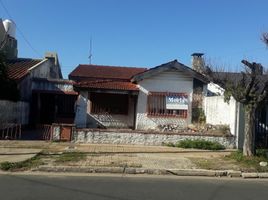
(53, 56)
(198, 63)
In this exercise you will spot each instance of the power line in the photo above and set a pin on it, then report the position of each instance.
(23, 36)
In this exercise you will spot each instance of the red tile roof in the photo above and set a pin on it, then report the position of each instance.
(97, 72)
(18, 68)
(107, 84)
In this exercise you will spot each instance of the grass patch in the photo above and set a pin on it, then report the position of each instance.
(249, 163)
(199, 144)
(70, 157)
(24, 165)
(169, 144)
(204, 163)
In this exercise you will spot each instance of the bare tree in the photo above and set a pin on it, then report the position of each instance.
(264, 38)
(250, 88)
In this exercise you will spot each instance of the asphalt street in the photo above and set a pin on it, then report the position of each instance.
(106, 187)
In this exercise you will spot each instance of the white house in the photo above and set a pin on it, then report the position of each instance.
(137, 98)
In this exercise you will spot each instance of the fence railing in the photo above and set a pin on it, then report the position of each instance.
(10, 131)
(45, 131)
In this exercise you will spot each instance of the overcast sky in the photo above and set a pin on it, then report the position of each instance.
(141, 33)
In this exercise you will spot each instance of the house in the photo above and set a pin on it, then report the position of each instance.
(137, 98)
(51, 99)
(45, 97)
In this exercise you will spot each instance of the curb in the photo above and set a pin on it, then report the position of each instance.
(117, 170)
(176, 172)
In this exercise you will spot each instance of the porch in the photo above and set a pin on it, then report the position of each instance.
(106, 104)
(52, 101)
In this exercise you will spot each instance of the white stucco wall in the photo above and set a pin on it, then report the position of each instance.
(47, 69)
(81, 105)
(215, 89)
(219, 112)
(169, 81)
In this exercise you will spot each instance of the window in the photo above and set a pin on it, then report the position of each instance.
(109, 103)
(157, 104)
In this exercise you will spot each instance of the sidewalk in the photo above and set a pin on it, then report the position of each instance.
(17, 154)
(125, 159)
(98, 148)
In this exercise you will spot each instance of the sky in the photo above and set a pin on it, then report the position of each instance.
(140, 33)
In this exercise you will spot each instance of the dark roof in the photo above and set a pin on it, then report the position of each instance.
(167, 66)
(107, 84)
(97, 72)
(18, 68)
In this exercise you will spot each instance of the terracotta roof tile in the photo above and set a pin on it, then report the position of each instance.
(108, 84)
(18, 68)
(93, 72)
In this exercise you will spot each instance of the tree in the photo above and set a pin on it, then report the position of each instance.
(250, 88)
(8, 87)
(265, 38)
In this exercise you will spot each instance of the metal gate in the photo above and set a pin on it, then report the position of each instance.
(10, 131)
(44, 131)
(261, 129)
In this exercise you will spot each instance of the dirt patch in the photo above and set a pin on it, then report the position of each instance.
(137, 160)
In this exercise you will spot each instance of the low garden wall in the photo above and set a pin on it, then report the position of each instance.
(100, 136)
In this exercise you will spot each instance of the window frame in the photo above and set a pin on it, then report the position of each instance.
(161, 110)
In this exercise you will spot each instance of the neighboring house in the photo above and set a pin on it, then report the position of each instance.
(23, 70)
(40, 84)
(137, 98)
(45, 96)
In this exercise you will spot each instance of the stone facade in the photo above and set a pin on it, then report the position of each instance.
(142, 138)
(155, 123)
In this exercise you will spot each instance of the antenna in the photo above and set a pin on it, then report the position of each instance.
(90, 50)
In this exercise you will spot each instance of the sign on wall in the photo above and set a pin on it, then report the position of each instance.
(177, 102)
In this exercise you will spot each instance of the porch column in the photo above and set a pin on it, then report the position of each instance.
(81, 110)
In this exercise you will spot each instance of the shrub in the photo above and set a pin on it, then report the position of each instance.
(198, 115)
(200, 144)
(169, 144)
(6, 166)
(27, 164)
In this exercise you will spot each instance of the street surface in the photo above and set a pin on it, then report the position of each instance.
(105, 187)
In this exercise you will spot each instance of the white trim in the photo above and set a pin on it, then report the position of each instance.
(37, 64)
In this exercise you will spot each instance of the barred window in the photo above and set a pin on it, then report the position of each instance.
(109, 103)
(157, 105)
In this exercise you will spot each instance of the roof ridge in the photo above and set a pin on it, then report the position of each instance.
(26, 59)
(115, 66)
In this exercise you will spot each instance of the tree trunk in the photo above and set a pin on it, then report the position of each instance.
(249, 140)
